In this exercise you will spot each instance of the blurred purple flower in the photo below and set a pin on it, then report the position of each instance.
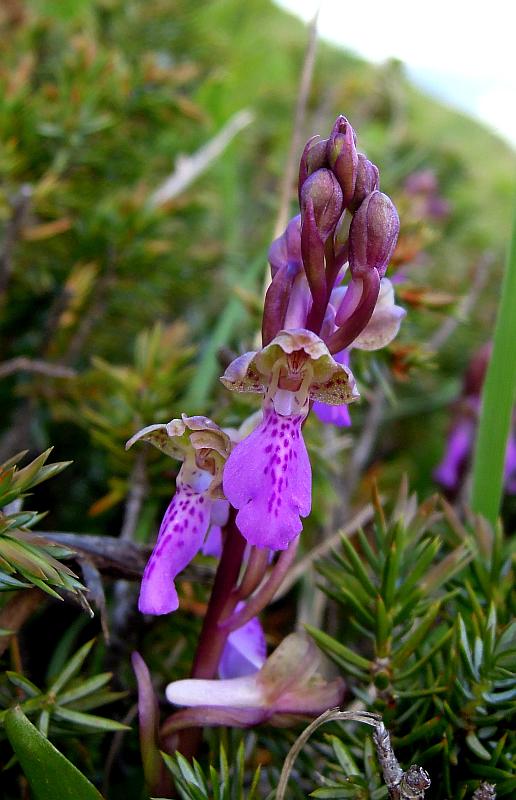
(452, 470)
(423, 187)
(288, 684)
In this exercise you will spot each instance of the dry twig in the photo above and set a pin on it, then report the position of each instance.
(188, 168)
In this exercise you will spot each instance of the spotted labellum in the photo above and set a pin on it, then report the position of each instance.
(197, 504)
(268, 476)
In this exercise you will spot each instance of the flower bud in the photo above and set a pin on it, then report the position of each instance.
(313, 158)
(322, 190)
(368, 181)
(343, 158)
(373, 235)
(286, 249)
(340, 238)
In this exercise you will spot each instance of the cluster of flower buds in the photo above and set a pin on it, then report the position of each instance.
(344, 220)
(452, 472)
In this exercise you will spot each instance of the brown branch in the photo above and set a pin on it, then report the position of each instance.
(299, 116)
(136, 496)
(115, 558)
(35, 365)
(466, 305)
(17, 611)
(188, 168)
(20, 207)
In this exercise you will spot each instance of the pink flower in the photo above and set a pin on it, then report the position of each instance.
(288, 684)
(203, 448)
(268, 476)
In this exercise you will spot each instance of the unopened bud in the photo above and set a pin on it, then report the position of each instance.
(373, 235)
(340, 237)
(286, 249)
(368, 181)
(324, 192)
(343, 157)
(314, 157)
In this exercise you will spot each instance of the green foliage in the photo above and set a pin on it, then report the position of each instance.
(429, 643)
(62, 708)
(24, 554)
(498, 398)
(49, 773)
(230, 782)
(352, 781)
(98, 100)
(118, 400)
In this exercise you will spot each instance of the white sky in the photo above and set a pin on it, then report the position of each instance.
(461, 52)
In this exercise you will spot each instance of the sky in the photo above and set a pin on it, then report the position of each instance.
(461, 52)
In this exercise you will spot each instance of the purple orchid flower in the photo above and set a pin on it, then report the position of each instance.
(197, 503)
(287, 685)
(268, 475)
(452, 470)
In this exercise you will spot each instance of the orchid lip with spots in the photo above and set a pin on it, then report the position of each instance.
(268, 475)
(203, 448)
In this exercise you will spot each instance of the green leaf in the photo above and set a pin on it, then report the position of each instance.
(227, 324)
(49, 773)
(477, 747)
(343, 756)
(89, 720)
(22, 682)
(497, 401)
(72, 668)
(338, 650)
(87, 687)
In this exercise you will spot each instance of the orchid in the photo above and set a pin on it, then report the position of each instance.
(197, 503)
(268, 475)
(241, 494)
(288, 685)
(309, 318)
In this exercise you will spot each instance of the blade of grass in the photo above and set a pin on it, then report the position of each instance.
(206, 370)
(497, 401)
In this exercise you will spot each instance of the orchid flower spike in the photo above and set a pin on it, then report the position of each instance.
(289, 684)
(203, 448)
(267, 476)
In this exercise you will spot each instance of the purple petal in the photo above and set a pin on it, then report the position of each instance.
(510, 465)
(460, 442)
(213, 544)
(180, 537)
(245, 650)
(269, 479)
(332, 415)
